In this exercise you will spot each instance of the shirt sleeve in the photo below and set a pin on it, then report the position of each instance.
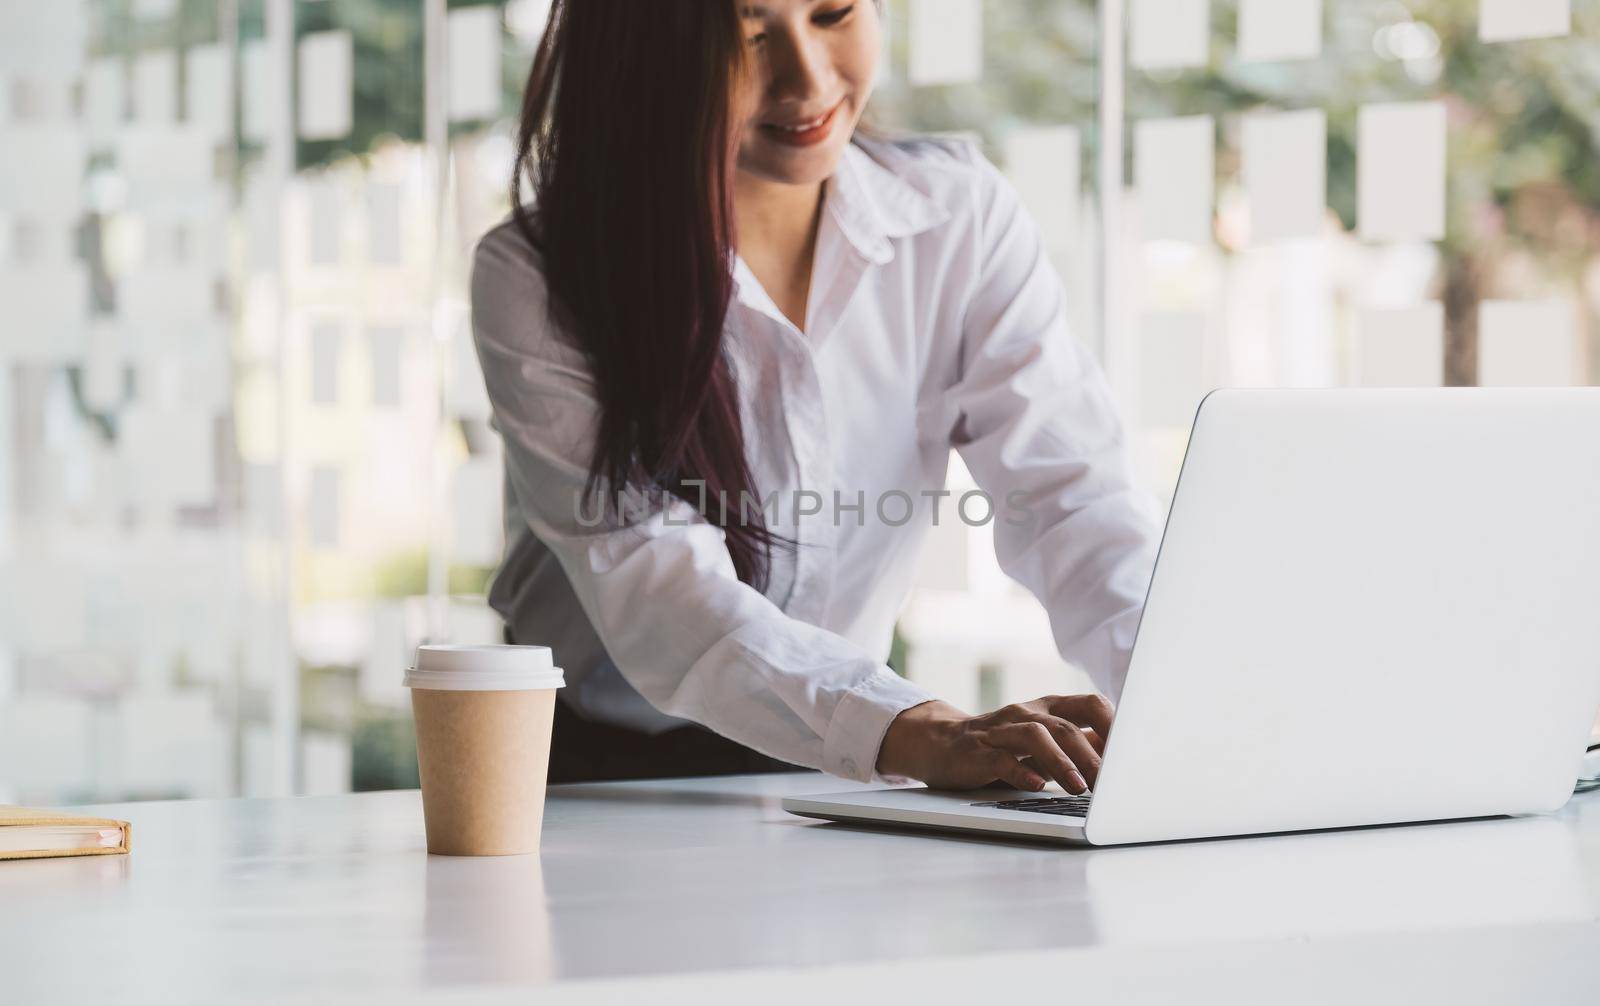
(1040, 432)
(660, 588)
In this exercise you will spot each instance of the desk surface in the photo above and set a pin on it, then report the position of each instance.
(710, 881)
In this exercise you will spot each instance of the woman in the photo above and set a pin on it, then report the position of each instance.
(729, 346)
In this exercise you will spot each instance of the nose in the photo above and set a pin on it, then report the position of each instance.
(799, 66)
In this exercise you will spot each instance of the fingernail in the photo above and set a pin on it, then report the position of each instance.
(1036, 782)
(1077, 781)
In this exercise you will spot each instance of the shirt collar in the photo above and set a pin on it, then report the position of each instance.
(872, 204)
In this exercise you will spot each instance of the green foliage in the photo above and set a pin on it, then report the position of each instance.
(383, 752)
(328, 698)
(1039, 67)
(1524, 116)
(387, 81)
(1524, 134)
(899, 650)
(405, 574)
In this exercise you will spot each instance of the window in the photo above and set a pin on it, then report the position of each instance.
(1300, 192)
(327, 349)
(385, 346)
(323, 515)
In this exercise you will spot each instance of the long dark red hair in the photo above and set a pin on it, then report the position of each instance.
(627, 139)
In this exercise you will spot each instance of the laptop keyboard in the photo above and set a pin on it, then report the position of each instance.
(1061, 806)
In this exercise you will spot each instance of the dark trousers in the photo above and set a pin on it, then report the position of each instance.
(582, 750)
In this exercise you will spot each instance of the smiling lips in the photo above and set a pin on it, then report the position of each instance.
(806, 132)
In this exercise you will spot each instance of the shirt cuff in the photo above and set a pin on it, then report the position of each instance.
(860, 720)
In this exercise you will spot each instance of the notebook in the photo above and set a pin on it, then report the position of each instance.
(26, 833)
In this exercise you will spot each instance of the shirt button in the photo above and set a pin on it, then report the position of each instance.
(849, 766)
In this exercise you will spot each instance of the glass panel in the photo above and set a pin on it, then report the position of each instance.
(1031, 103)
(1402, 194)
(221, 394)
(237, 375)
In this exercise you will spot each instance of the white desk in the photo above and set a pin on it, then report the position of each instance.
(707, 891)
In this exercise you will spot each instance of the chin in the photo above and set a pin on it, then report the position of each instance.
(792, 167)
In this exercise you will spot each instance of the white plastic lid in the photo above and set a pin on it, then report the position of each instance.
(484, 669)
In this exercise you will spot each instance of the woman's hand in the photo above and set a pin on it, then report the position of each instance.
(1059, 736)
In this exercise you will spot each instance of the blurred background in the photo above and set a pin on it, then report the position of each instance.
(245, 464)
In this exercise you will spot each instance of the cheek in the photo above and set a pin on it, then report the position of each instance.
(866, 47)
(856, 62)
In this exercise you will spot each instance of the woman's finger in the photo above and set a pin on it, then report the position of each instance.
(1016, 774)
(1094, 711)
(1076, 742)
(1070, 738)
(1034, 739)
(1095, 740)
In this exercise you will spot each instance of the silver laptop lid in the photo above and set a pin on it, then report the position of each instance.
(1370, 606)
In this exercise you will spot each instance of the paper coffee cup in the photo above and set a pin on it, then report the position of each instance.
(483, 716)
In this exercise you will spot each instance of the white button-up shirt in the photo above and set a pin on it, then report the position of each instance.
(934, 321)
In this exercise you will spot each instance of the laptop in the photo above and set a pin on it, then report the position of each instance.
(1370, 606)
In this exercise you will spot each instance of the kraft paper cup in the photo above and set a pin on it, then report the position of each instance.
(483, 717)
